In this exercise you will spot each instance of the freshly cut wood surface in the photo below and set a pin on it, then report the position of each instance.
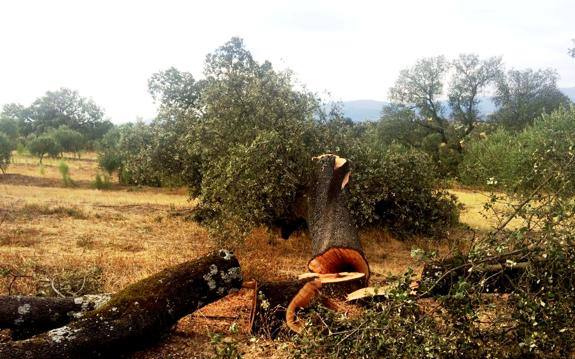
(333, 277)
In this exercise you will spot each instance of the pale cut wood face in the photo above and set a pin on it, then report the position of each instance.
(338, 260)
(333, 277)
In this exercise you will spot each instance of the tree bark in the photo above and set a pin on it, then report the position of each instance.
(335, 242)
(28, 316)
(271, 299)
(141, 312)
(335, 249)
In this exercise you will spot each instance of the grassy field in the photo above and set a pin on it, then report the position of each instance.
(81, 240)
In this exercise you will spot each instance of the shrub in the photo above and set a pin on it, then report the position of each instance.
(268, 185)
(6, 148)
(242, 140)
(102, 182)
(548, 147)
(492, 162)
(65, 173)
(44, 145)
(69, 140)
(109, 157)
(397, 188)
(542, 149)
(534, 265)
(128, 149)
(9, 127)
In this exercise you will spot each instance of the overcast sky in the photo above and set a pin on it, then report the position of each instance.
(350, 49)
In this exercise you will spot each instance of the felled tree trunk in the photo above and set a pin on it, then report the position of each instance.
(335, 242)
(141, 312)
(28, 316)
(337, 255)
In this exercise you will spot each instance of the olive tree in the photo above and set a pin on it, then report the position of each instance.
(69, 140)
(256, 139)
(242, 139)
(42, 145)
(523, 95)
(6, 148)
(421, 87)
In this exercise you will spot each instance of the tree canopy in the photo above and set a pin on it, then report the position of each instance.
(63, 107)
(522, 96)
(247, 131)
(6, 148)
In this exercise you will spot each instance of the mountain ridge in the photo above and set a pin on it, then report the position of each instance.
(370, 110)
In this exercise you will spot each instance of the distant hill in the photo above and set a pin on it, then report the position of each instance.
(363, 110)
(569, 92)
(370, 110)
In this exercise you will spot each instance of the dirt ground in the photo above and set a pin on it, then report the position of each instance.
(80, 240)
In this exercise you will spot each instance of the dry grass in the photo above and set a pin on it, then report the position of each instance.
(474, 213)
(84, 240)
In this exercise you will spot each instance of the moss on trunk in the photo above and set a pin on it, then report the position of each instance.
(141, 312)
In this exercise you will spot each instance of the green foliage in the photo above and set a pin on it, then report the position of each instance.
(522, 96)
(226, 347)
(42, 145)
(492, 162)
(268, 186)
(14, 115)
(21, 149)
(252, 141)
(242, 140)
(135, 147)
(396, 328)
(139, 154)
(6, 148)
(533, 320)
(503, 159)
(109, 157)
(419, 117)
(102, 182)
(66, 107)
(9, 127)
(396, 188)
(69, 140)
(64, 170)
(63, 107)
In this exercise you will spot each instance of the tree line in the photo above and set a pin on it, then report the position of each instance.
(60, 121)
(242, 136)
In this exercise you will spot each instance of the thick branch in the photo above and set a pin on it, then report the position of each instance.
(139, 313)
(27, 316)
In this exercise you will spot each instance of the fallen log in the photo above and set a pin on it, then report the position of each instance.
(27, 316)
(141, 312)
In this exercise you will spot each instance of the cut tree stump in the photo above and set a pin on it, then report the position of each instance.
(271, 303)
(141, 312)
(335, 249)
(335, 242)
(28, 316)
(271, 299)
